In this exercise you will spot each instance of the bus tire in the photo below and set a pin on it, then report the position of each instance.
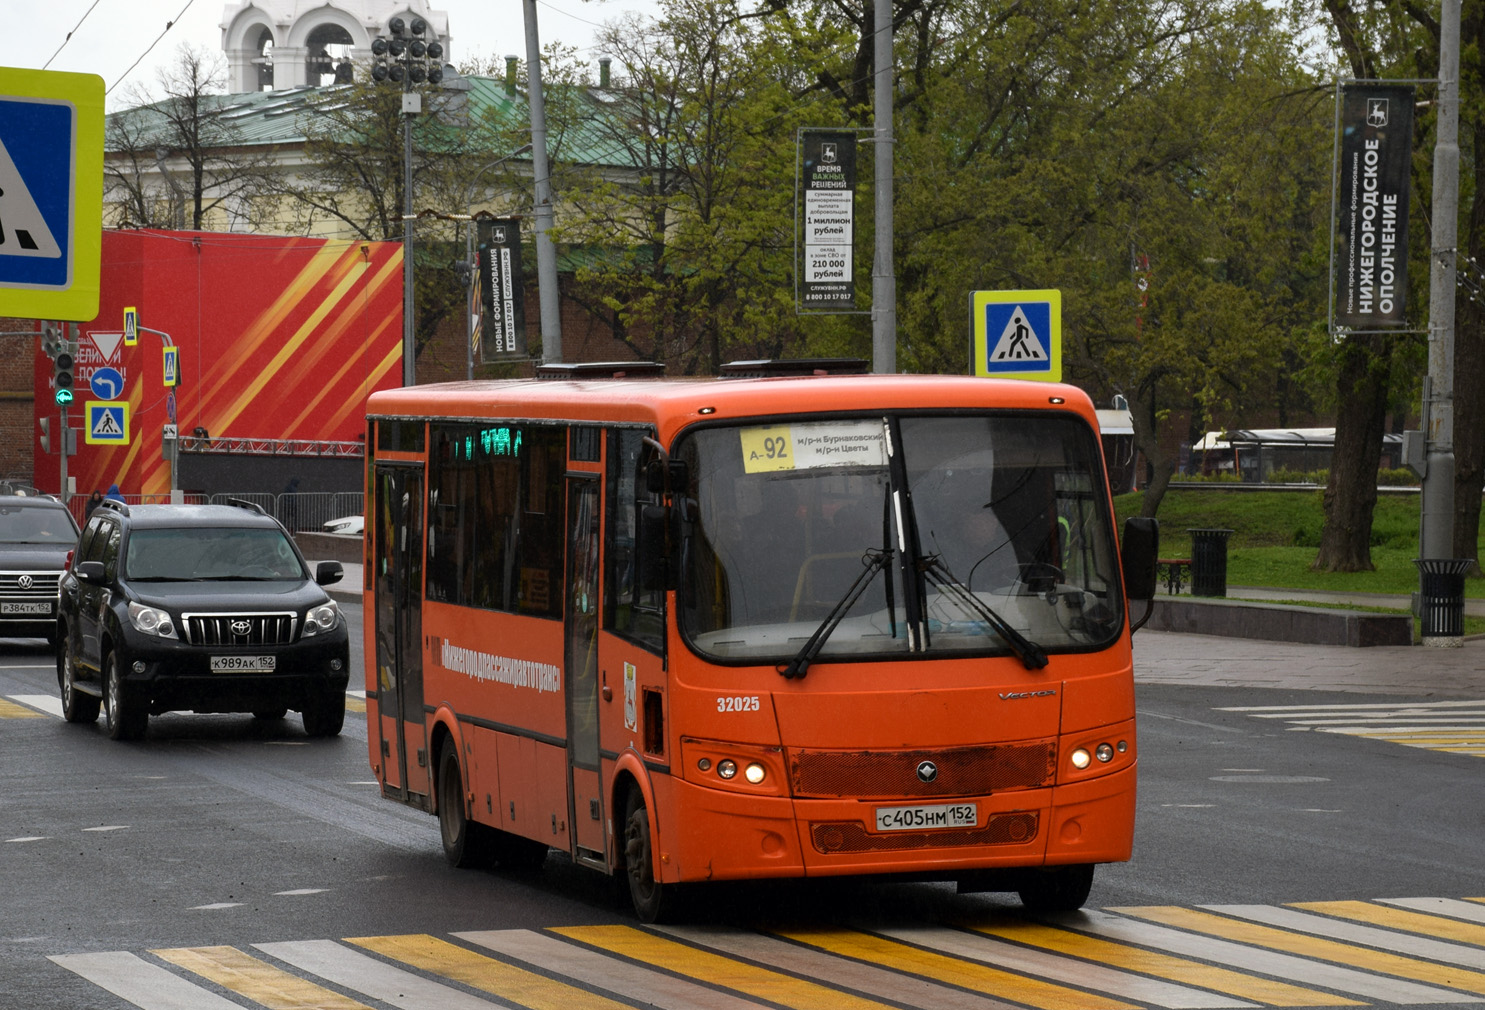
(651, 898)
(1056, 889)
(460, 838)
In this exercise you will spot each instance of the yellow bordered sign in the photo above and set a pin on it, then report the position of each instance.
(1016, 334)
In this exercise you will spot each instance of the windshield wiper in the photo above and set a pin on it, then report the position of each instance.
(1032, 656)
(796, 667)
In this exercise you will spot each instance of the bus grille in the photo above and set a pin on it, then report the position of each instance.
(961, 771)
(239, 629)
(28, 585)
(831, 837)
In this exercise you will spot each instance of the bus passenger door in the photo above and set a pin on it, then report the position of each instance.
(585, 810)
(399, 632)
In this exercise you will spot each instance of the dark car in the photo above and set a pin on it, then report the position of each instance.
(35, 535)
(206, 608)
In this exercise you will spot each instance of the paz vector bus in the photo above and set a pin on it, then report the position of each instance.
(781, 623)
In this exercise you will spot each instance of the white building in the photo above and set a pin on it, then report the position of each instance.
(274, 45)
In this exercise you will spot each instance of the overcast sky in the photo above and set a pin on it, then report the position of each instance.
(108, 38)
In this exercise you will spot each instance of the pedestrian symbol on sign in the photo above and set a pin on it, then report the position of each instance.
(1017, 341)
(108, 422)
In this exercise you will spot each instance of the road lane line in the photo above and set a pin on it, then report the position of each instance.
(632, 981)
(842, 972)
(1066, 970)
(1320, 948)
(760, 983)
(362, 973)
(1167, 966)
(968, 975)
(148, 986)
(256, 979)
(1383, 939)
(1441, 906)
(1285, 966)
(486, 973)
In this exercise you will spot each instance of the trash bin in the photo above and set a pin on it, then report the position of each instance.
(1209, 562)
(1441, 596)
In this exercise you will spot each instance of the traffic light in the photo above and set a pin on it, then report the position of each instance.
(62, 375)
(46, 434)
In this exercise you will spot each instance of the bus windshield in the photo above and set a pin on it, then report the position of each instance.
(951, 535)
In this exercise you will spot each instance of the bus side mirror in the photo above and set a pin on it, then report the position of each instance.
(652, 561)
(1138, 555)
(663, 476)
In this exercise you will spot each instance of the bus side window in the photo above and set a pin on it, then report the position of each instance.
(630, 609)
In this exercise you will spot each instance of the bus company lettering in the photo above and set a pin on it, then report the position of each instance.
(541, 677)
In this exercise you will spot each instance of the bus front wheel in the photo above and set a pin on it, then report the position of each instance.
(1056, 889)
(648, 894)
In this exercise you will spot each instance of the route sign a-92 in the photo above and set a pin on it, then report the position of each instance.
(51, 194)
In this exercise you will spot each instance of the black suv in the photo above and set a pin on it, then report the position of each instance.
(209, 608)
(36, 533)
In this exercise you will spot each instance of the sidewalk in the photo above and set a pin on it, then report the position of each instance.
(1473, 607)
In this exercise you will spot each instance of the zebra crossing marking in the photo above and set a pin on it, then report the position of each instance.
(1454, 726)
(1407, 951)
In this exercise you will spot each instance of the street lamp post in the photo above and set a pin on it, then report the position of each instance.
(407, 59)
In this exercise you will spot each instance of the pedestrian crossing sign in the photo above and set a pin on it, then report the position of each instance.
(108, 422)
(1016, 334)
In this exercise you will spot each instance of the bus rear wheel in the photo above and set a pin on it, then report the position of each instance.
(1056, 889)
(460, 839)
(650, 898)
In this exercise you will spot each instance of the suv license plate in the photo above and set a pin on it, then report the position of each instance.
(942, 815)
(242, 664)
(25, 608)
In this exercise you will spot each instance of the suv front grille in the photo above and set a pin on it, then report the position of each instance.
(29, 584)
(240, 629)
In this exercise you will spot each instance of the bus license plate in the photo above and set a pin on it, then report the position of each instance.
(941, 815)
(25, 608)
(242, 664)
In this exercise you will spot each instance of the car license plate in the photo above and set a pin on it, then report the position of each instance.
(941, 815)
(242, 664)
(25, 608)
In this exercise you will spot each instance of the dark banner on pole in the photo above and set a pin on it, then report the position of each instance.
(502, 289)
(829, 184)
(1376, 159)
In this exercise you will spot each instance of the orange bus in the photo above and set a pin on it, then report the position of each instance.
(738, 628)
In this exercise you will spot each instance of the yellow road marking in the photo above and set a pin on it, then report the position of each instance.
(355, 704)
(786, 990)
(951, 971)
(1167, 966)
(1399, 918)
(257, 980)
(486, 973)
(1310, 946)
(11, 710)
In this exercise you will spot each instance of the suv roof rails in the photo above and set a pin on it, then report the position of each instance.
(114, 503)
(243, 503)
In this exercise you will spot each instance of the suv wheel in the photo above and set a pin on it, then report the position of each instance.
(76, 705)
(124, 716)
(325, 715)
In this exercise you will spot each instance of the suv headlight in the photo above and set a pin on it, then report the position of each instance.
(321, 618)
(151, 621)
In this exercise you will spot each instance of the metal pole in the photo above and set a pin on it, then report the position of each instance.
(409, 344)
(546, 253)
(1438, 483)
(883, 279)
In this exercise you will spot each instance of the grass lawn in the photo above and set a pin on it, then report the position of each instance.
(1276, 535)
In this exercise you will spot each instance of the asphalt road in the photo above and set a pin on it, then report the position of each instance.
(176, 871)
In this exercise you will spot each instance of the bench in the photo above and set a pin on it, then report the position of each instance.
(1174, 571)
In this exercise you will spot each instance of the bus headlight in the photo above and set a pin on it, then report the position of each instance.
(1081, 759)
(727, 768)
(754, 772)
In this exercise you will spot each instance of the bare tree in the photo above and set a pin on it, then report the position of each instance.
(173, 160)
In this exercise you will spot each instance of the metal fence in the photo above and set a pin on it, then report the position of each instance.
(300, 511)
